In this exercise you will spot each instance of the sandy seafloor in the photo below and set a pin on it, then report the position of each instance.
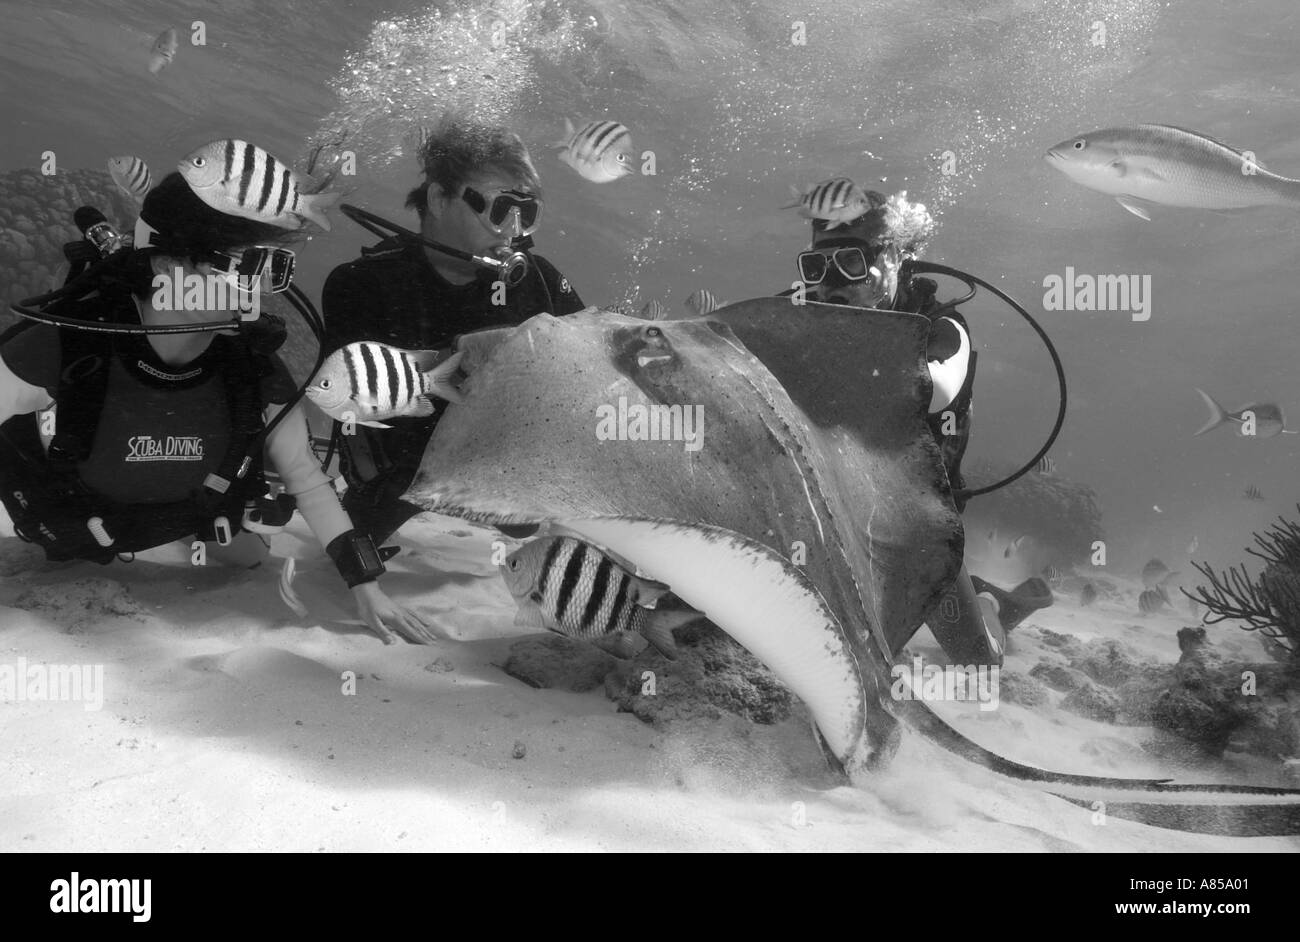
(224, 728)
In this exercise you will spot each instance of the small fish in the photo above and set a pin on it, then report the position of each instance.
(837, 201)
(1014, 546)
(1052, 574)
(241, 179)
(654, 310)
(1045, 465)
(1193, 607)
(368, 382)
(1155, 573)
(164, 50)
(131, 174)
(993, 535)
(1156, 508)
(1088, 594)
(570, 587)
(1253, 493)
(1256, 420)
(703, 302)
(601, 152)
(1154, 164)
(1152, 600)
(1193, 546)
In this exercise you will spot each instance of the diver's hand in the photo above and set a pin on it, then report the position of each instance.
(384, 616)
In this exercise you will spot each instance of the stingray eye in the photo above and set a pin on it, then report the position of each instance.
(1080, 144)
(199, 161)
(513, 564)
(654, 332)
(325, 384)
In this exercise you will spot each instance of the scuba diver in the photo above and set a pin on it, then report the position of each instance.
(164, 418)
(865, 263)
(480, 202)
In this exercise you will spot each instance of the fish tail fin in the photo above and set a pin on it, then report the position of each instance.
(617, 644)
(314, 205)
(796, 194)
(437, 381)
(569, 131)
(659, 627)
(1217, 414)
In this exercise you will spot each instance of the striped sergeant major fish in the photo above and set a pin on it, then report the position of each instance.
(131, 174)
(241, 179)
(1152, 600)
(601, 151)
(835, 201)
(369, 383)
(570, 587)
(703, 302)
(654, 310)
(1045, 465)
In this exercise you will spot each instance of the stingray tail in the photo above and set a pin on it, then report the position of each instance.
(1259, 811)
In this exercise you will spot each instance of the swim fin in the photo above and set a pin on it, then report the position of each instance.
(1016, 605)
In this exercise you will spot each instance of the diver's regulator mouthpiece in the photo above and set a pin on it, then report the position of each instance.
(511, 266)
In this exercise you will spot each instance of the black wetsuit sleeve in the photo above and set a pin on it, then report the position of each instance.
(348, 303)
(35, 356)
(564, 297)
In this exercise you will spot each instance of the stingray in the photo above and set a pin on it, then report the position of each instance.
(771, 463)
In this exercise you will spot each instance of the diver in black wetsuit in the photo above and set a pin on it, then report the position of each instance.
(481, 194)
(862, 263)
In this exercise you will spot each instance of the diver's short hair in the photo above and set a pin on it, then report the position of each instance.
(191, 227)
(459, 147)
(891, 220)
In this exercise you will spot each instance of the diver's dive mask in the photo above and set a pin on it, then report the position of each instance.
(270, 265)
(865, 276)
(525, 207)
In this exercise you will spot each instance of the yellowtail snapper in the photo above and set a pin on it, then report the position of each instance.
(131, 174)
(241, 179)
(1155, 164)
(572, 588)
(1258, 419)
(375, 382)
(601, 152)
(1088, 594)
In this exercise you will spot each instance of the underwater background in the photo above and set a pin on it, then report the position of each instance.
(735, 112)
